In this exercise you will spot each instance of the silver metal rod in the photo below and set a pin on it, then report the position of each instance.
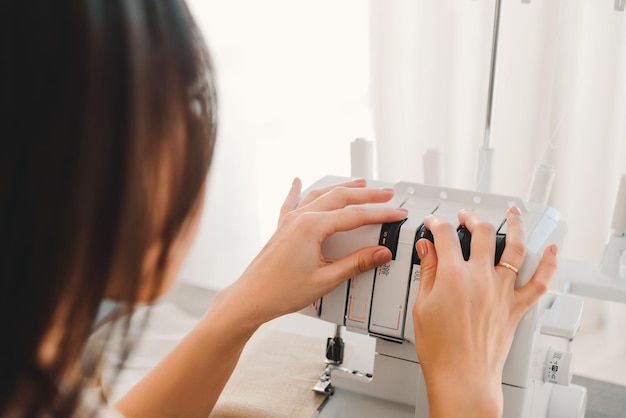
(492, 73)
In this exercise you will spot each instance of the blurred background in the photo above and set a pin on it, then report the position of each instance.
(298, 80)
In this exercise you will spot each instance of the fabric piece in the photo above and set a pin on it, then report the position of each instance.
(274, 378)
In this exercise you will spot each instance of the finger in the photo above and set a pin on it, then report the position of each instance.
(314, 194)
(428, 266)
(356, 263)
(340, 197)
(528, 294)
(291, 201)
(482, 246)
(353, 217)
(446, 239)
(515, 249)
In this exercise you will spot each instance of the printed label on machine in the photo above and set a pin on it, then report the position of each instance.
(409, 332)
(359, 302)
(391, 285)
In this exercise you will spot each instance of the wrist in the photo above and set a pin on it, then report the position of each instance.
(454, 395)
(232, 314)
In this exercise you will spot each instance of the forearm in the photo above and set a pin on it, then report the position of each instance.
(189, 380)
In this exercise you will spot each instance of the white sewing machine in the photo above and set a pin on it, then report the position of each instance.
(538, 371)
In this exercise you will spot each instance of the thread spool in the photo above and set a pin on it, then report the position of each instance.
(432, 167)
(542, 184)
(618, 224)
(362, 158)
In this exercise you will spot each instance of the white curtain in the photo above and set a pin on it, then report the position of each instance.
(560, 99)
(299, 80)
(293, 92)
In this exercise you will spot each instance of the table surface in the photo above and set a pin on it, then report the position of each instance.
(604, 400)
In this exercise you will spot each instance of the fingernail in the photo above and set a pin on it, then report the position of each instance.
(422, 248)
(515, 210)
(387, 189)
(554, 249)
(402, 210)
(382, 256)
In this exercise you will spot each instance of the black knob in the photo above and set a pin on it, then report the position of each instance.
(465, 240)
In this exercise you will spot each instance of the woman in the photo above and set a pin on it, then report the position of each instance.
(108, 115)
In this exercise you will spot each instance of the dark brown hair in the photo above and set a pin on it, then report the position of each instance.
(107, 126)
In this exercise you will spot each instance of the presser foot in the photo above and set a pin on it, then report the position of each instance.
(324, 385)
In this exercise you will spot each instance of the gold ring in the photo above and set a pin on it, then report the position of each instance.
(508, 266)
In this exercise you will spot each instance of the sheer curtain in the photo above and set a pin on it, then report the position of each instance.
(560, 99)
(293, 92)
(297, 81)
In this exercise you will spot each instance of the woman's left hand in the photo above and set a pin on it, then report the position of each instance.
(466, 312)
(290, 271)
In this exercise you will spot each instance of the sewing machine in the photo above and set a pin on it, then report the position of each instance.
(537, 375)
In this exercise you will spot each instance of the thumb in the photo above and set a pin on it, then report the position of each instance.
(538, 284)
(428, 262)
(359, 262)
(291, 201)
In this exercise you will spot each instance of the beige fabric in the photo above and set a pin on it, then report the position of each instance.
(274, 378)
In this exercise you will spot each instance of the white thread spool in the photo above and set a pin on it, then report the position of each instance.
(362, 158)
(614, 263)
(432, 167)
(542, 184)
(618, 224)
